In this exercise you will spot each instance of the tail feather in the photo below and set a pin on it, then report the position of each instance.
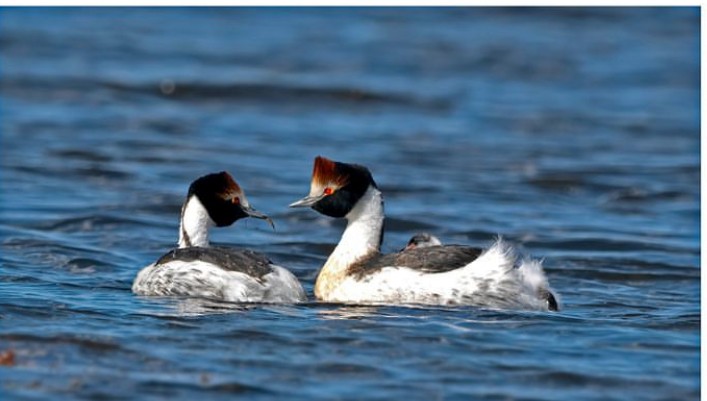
(534, 279)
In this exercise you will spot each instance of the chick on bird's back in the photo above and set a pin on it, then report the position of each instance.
(357, 272)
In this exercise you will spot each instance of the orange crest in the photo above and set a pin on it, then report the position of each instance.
(231, 187)
(325, 173)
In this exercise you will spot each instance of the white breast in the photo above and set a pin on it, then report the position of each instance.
(202, 279)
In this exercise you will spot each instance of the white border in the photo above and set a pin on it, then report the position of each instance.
(355, 3)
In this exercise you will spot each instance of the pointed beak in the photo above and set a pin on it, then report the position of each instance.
(254, 213)
(307, 201)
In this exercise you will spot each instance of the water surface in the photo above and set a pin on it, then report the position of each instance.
(574, 133)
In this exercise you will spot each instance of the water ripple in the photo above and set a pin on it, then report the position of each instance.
(585, 156)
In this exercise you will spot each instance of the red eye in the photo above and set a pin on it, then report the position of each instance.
(236, 201)
(328, 191)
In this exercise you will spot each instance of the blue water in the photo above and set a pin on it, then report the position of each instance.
(572, 132)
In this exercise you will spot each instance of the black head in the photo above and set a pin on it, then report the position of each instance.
(223, 199)
(336, 187)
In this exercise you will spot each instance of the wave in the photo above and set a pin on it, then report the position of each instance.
(189, 90)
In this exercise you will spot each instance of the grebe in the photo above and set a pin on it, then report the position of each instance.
(422, 240)
(356, 271)
(195, 269)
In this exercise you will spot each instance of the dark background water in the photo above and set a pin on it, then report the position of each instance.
(572, 132)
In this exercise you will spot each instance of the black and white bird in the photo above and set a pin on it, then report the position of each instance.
(357, 272)
(195, 269)
(421, 240)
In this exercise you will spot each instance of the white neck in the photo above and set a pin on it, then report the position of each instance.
(361, 237)
(195, 224)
